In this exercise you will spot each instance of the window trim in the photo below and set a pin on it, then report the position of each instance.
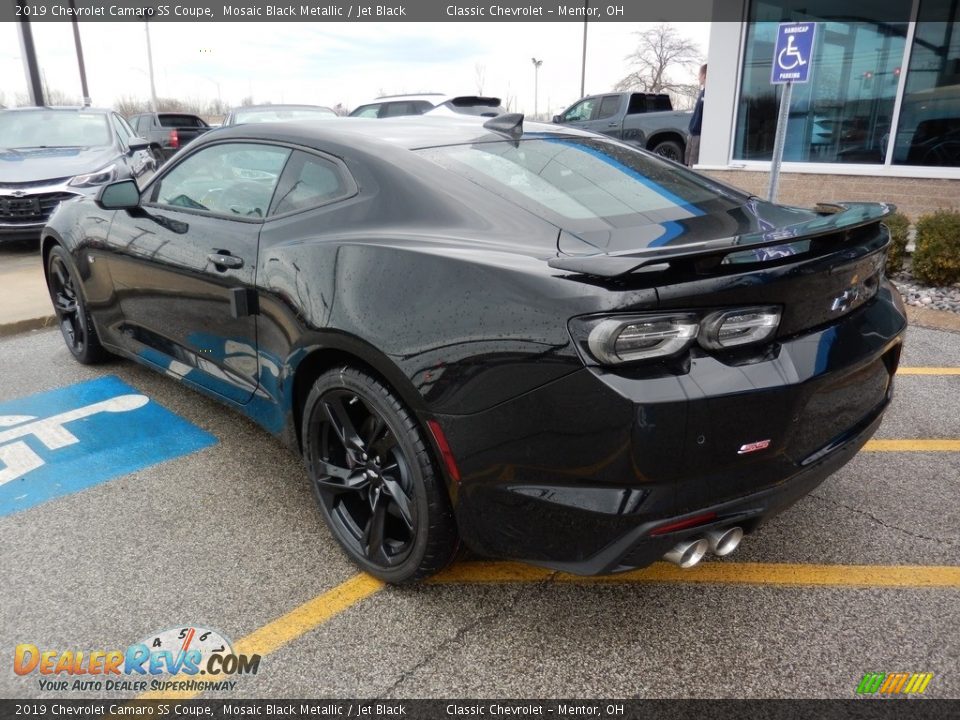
(352, 188)
(152, 188)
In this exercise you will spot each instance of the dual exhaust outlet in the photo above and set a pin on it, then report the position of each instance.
(720, 542)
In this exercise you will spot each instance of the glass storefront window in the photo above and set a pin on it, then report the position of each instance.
(929, 129)
(844, 114)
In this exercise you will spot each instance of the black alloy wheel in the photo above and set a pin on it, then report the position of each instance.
(670, 150)
(75, 324)
(374, 479)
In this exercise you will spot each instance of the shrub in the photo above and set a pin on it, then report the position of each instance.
(899, 225)
(936, 261)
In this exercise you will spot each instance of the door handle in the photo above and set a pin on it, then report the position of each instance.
(613, 124)
(223, 260)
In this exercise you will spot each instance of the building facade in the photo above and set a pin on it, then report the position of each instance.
(878, 120)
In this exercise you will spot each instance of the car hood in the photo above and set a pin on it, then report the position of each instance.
(37, 164)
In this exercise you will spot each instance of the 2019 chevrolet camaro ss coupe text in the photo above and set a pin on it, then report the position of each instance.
(541, 342)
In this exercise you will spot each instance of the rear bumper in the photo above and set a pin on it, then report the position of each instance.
(575, 475)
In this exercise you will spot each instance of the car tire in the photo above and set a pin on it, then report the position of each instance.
(73, 317)
(374, 478)
(669, 149)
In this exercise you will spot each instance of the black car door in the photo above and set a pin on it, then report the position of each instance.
(184, 265)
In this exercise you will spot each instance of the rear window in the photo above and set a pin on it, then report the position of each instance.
(586, 183)
(181, 121)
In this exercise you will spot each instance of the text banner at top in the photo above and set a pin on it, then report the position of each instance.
(365, 11)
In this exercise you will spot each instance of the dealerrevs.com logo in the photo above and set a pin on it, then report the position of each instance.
(200, 659)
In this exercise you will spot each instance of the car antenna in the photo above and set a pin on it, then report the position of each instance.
(509, 124)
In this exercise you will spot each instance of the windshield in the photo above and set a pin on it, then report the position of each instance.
(53, 128)
(588, 184)
(281, 115)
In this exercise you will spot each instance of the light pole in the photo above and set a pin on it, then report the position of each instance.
(79, 48)
(153, 87)
(536, 85)
(583, 62)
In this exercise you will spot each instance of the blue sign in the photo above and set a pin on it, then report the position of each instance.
(59, 442)
(793, 53)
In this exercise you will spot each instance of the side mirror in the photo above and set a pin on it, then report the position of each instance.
(120, 195)
(138, 143)
(557, 119)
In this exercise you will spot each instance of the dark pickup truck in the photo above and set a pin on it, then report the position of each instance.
(168, 132)
(646, 120)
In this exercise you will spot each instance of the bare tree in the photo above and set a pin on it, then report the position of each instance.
(247, 101)
(341, 109)
(480, 76)
(661, 51)
(128, 105)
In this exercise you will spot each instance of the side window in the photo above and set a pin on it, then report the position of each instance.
(123, 130)
(310, 181)
(608, 107)
(369, 111)
(398, 109)
(638, 104)
(419, 107)
(126, 126)
(583, 110)
(233, 179)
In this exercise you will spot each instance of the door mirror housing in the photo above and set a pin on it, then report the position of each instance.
(138, 143)
(557, 119)
(120, 195)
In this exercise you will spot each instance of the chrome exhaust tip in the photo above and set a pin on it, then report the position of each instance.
(688, 553)
(724, 541)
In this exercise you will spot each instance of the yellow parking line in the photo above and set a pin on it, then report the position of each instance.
(912, 446)
(295, 623)
(928, 371)
(722, 573)
(315, 612)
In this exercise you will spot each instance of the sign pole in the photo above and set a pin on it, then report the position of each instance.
(792, 63)
(780, 139)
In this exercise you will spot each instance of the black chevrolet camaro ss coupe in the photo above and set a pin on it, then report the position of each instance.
(541, 342)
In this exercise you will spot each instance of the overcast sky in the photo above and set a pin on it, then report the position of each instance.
(329, 63)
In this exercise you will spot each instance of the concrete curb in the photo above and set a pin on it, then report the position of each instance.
(22, 326)
(933, 319)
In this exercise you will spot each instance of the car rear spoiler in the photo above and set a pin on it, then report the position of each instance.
(837, 217)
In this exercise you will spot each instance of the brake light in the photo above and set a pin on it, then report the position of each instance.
(445, 452)
(174, 139)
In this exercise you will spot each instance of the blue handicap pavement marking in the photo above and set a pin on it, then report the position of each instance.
(63, 441)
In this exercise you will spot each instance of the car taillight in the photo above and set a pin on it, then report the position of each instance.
(614, 341)
(621, 339)
(174, 139)
(730, 328)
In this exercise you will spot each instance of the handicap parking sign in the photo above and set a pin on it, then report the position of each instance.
(66, 440)
(793, 53)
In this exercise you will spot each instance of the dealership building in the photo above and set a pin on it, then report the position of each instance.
(879, 118)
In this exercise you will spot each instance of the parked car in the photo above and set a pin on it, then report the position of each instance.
(645, 120)
(276, 113)
(548, 344)
(435, 103)
(52, 154)
(168, 131)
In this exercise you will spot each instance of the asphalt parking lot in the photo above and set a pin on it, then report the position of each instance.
(862, 576)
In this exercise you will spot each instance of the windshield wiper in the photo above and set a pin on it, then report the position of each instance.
(47, 147)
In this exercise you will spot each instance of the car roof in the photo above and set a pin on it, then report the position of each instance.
(244, 108)
(60, 108)
(411, 133)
